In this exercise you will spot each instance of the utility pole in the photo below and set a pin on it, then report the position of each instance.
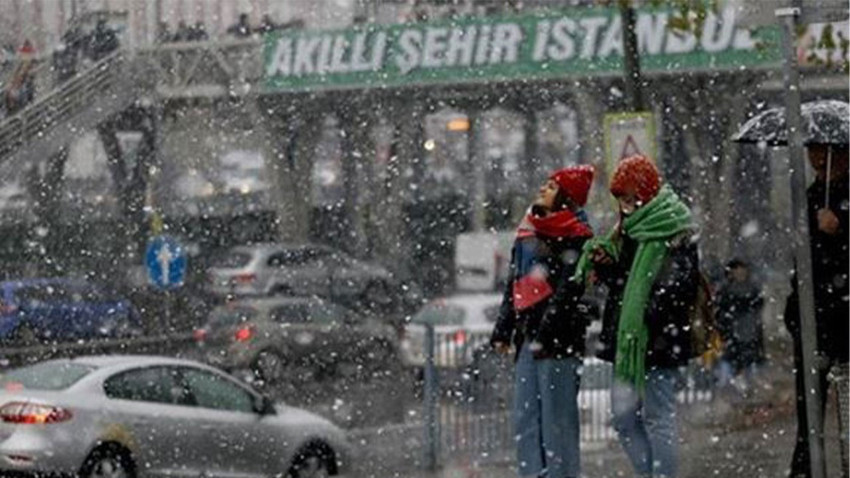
(631, 57)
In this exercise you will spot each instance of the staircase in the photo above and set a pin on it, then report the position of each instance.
(55, 118)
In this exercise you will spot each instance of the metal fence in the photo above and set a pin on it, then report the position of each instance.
(469, 399)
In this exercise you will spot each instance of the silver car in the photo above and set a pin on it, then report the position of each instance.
(134, 416)
(304, 269)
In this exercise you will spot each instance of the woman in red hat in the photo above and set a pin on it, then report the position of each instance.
(540, 317)
(650, 264)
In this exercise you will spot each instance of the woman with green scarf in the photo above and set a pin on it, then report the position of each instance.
(650, 264)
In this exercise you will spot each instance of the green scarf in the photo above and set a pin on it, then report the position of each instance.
(651, 226)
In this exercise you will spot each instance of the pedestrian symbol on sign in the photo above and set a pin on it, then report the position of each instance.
(165, 259)
(630, 148)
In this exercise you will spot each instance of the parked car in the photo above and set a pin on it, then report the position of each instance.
(139, 416)
(299, 339)
(301, 270)
(463, 324)
(59, 309)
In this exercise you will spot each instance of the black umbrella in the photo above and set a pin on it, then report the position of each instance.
(824, 122)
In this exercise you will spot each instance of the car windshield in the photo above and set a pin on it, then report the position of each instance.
(44, 376)
(232, 260)
(228, 316)
(440, 313)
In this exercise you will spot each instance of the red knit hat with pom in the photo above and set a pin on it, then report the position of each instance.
(637, 175)
(574, 182)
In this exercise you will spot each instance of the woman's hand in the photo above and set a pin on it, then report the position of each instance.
(599, 256)
(501, 348)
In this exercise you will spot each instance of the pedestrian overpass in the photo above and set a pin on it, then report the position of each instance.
(286, 84)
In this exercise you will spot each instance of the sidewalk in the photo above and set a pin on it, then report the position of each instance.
(732, 436)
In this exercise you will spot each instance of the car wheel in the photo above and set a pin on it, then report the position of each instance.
(377, 294)
(269, 366)
(108, 463)
(25, 335)
(311, 464)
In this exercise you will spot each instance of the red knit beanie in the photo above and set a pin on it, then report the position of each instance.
(574, 182)
(637, 175)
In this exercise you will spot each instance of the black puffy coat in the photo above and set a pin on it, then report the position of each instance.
(558, 323)
(829, 267)
(668, 311)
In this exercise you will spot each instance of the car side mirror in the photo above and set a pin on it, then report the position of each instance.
(266, 406)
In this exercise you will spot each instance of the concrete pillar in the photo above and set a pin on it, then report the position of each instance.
(589, 107)
(292, 132)
(406, 152)
(478, 164)
(359, 156)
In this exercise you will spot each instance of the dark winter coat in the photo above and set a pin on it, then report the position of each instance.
(558, 323)
(829, 267)
(739, 306)
(667, 313)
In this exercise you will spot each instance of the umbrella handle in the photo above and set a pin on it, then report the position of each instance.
(828, 168)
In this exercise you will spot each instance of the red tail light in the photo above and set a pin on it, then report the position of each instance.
(199, 335)
(244, 279)
(244, 334)
(8, 309)
(460, 337)
(25, 413)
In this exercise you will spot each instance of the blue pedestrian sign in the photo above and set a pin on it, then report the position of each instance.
(165, 259)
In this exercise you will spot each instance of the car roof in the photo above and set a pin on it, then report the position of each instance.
(274, 246)
(109, 361)
(265, 303)
(42, 281)
(472, 300)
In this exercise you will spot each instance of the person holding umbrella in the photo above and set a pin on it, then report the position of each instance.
(826, 130)
(829, 222)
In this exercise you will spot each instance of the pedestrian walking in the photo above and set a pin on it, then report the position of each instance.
(541, 318)
(828, 203)
(739, 307)
(650, 264)
(241, 29)
(104, 40)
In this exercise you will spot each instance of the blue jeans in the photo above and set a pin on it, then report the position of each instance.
(546, 416)
(647, 426)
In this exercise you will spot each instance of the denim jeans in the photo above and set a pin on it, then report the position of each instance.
(647, 426)
(546, 416)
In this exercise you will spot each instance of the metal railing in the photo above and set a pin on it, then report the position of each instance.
(61, 104)
(471, 397)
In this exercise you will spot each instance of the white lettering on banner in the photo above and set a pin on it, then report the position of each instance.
(555, 39)
(743, 40)
(506, 40)
(680, 42)
(714, 41)
(358, 54)
(461, 46)
(613, 42)
(379, 48)
(433, 51)
(483, 45)
(541, 38)
(591, 26)
(409, 42)
(323, 60)
(305, 50)
(650, 30)
(338, 64)
(282, 59)
(565, 46)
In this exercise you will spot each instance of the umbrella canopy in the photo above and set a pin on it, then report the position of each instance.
(824, 122)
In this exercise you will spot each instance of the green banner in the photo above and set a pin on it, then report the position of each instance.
(552, 44)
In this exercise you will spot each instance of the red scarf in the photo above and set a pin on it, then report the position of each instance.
(557, 224)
